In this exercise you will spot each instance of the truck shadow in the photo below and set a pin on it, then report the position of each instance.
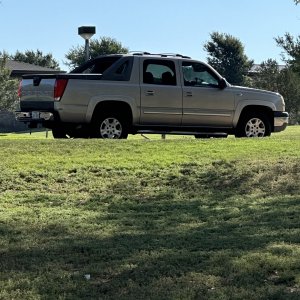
(187, 232)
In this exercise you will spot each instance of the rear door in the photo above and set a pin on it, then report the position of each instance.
(161, 92)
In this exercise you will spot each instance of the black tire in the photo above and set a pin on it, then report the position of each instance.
(110, 126)
(253, 124)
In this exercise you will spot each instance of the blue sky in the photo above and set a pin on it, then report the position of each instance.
(155, 26)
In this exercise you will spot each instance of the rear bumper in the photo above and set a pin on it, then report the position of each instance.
(34, 116)
(281, 120)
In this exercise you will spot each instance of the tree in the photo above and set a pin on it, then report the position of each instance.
(291, 76)
(37, 58)
(8, 87)
(104, 45)
(226, 55)
(268, 76)
(285, 81)
(291, 46)
(290, 90)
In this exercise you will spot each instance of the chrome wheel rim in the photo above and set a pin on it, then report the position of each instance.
(111, 128)
(255, 128)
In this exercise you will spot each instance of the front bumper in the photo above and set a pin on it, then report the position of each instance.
(281, 120)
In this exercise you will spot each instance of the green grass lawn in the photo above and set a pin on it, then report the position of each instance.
(150, 219)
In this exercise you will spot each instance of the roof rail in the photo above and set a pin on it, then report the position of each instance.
(173, 55)
(141, 53)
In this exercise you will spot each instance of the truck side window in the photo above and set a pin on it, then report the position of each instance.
(161, 72)
(197, 74)
(120, 71)
(123, 68)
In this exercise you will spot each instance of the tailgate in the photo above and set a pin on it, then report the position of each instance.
(37, 92)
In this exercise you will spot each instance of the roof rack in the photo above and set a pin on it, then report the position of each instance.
(141, 53)
(173, 55)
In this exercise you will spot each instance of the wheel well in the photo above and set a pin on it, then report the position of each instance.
(259, 109)
(119, 107)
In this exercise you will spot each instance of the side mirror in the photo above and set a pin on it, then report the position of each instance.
(222, 84)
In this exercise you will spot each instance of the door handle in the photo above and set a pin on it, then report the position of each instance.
(149, 93)
(189, 94)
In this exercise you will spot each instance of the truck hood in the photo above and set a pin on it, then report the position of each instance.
(245, 93)
(255, 92)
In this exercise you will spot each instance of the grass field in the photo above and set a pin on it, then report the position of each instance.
(150, 219)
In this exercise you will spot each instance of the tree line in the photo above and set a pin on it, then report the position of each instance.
(226, 54)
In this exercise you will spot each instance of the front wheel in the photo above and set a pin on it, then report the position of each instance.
(254, 125)
(110, 126)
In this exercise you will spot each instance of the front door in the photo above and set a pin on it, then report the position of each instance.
(161, 93)
(204, 103)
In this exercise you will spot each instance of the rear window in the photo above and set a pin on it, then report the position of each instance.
(112, 68)
(97, 65)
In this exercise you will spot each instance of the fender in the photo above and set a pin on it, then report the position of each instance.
(244, 103)
(94, 101)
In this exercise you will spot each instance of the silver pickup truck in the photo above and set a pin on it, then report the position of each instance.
(116, 95)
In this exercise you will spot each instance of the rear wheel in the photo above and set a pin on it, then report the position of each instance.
(254, 125)
(110, 126)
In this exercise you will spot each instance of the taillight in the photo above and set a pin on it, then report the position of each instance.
(59, 88)
(20, 90)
